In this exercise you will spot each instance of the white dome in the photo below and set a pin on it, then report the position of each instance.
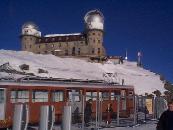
(30, 28)
(94, 19)
(30, 25)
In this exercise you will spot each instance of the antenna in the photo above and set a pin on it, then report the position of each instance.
(139, 63)
(126, 58)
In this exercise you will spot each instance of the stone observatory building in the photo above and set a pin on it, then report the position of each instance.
(88, 43)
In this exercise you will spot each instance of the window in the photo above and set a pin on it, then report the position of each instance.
(105, 95)
(19, 96)
(40, 96)
(73, 51)
(57, 96)
(98, 50)
(45, 52)
(53, 39)
(93, 51)
(114, 94)
(123, 93)
(130, 93)
(74, 95)
(66, 52)
(91, 95)
(59, 44)
(30, 46)
(1, 96)
(78, 51)
(67, 44)
(98, 41)
(93, 33)
(39, 46)
(31, 39)
(94, 40)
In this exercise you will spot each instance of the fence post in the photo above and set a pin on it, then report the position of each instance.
(135, 109)
(67, 118)
(83, 109)
(118, 110)
(47, 117)
(20, 118)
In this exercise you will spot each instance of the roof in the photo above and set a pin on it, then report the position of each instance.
(61, 38)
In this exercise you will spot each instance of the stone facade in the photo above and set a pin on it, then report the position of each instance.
(86, 44)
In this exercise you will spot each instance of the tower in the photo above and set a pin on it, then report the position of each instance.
(94, 29)
(29, 36)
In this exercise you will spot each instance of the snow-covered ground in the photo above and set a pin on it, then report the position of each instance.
(143, 80)
(141, 127)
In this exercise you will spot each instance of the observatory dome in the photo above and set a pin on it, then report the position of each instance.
(94, 19)
(30, 25)
(30, 28)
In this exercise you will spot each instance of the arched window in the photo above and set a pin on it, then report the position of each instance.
(73, 51)
(93, 50)
(66, 52)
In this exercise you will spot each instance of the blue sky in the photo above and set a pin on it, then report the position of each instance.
(135, 25)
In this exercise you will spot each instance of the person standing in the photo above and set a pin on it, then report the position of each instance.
(166, 118)
(88, 111)
(109, 113)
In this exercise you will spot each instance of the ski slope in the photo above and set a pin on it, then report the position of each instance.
(143, 80)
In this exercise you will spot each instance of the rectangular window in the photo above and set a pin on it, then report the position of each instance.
(40, 96)
(74, 95)
(78, 51)
(105, 95)
(66, 52)
(1, 96)
(57, 96)
(115, 94)
(93, 51)
(112, 96)
(19, 96)
(123, 93)
(91, 95)
(98, 50)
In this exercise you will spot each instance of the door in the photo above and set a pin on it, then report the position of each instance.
(2, 104)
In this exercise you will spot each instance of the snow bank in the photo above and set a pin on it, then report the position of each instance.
(143, 80)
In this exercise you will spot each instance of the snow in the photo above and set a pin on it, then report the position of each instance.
(142, 127)
(143, 80)
(54, 35)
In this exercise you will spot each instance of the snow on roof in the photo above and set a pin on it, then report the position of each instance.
(143, 80)
(54, 35)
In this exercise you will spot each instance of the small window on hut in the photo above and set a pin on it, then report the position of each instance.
(74, 95)
(91, 95)
(57, 96)
(115, 94)
(40, 96)
(105, 95)
(19, 96)
(1, 96)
